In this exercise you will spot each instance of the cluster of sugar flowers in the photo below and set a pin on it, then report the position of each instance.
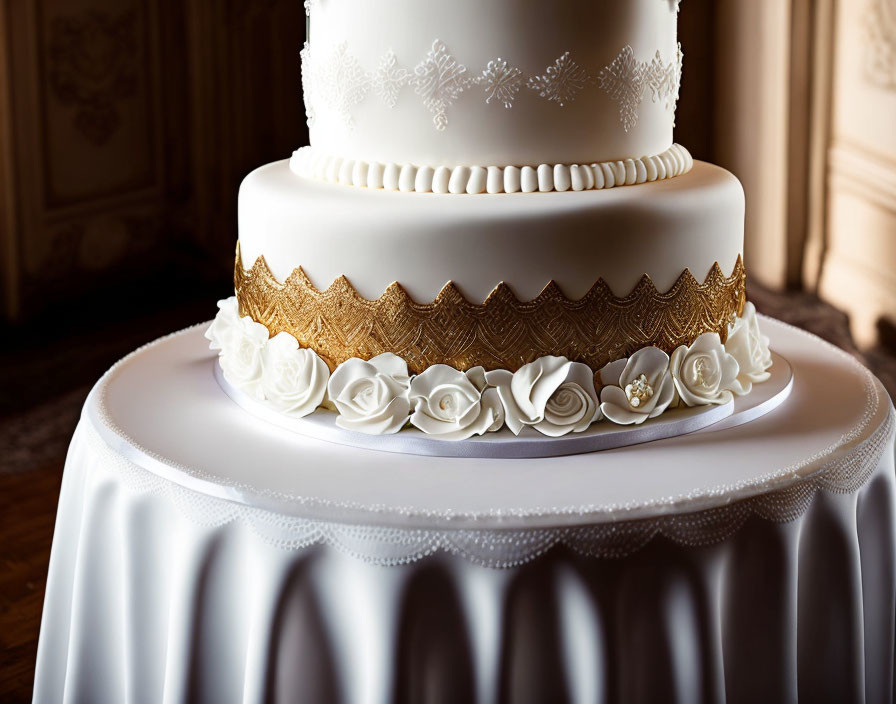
(551, 395)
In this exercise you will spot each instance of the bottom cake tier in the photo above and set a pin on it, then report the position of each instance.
(496, 281)
(463, 314)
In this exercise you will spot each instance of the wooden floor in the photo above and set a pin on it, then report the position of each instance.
(43, 385)
(32, 449)
(27, 515)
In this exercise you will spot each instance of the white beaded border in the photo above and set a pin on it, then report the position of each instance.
(310, 163)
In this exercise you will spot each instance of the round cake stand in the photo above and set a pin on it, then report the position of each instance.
(204, 555)
(163, 408)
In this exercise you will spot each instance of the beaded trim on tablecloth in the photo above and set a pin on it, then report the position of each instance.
(506, 548)
(498, 548)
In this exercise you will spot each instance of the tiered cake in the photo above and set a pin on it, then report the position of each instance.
(492, 227)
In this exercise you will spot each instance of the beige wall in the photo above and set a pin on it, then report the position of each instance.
(805, 115)
(859, 268)
(751, 118)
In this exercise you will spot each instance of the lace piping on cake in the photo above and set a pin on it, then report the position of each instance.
(626, 80)
(383, 545)
(310, 163)
(339, 323)
(339, 81)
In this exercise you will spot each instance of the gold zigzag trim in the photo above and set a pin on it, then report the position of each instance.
(500, 333)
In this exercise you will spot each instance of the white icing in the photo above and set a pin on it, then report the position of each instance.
(439, 79)
(501, 81)
(454, 405)
(223, 328)
(637, 388)
(371, 397)
(749, 347)
(294, 380)
(389, 78)
(704, 373)
(561, 82)
(277, 370)
(552, 395)
(626, 80)
(346, 81)
(424, 241)
(309, 163)
(242, 355)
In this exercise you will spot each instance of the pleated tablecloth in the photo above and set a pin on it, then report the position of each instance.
(203, 556)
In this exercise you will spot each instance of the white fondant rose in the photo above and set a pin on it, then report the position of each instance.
(222, 329)
(295, 379)
(454, 405)
(704, 373)
(637, 388)
(749, 347)
(371, 397)
(552, 394)
(242, 356)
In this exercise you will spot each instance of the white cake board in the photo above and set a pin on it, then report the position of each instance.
(604, 435)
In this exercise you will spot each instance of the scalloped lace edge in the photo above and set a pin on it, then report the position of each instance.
(494, 548)
(308, 162)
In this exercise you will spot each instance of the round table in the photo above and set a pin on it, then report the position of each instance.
(203, 555)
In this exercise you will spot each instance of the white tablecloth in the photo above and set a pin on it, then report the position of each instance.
(202, 556)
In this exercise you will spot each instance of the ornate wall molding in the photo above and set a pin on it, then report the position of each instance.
(880, 52)
(92, 61)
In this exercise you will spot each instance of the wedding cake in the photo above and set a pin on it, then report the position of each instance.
(492, 228)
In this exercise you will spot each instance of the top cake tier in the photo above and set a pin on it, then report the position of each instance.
(491, 83)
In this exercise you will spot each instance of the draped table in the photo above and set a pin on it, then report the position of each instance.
(203, 555)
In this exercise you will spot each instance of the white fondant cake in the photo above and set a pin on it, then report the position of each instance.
(501, 82)
(491, 228)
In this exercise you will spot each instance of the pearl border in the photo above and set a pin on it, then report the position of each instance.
(310, 163)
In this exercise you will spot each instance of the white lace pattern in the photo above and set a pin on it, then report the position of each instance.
(626, 80)
(340, 82)
(500, 548)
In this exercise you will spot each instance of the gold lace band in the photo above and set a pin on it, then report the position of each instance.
(500, 333)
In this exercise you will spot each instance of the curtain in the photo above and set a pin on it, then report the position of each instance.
(804, 112)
